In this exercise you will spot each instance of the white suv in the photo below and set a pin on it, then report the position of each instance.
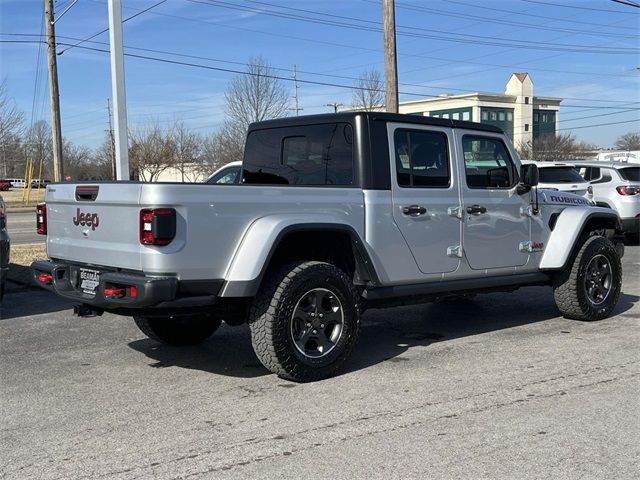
(563, 177)
(616, 185)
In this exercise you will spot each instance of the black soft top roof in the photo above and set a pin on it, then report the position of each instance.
(372, 116)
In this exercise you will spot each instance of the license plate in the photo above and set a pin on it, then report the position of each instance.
(89, 280)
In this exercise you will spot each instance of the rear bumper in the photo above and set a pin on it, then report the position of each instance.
(167, 294)
(631, 225)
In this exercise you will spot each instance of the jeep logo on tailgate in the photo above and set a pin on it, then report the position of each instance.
(86, 219)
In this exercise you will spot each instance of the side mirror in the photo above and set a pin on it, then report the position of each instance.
(528, 177)
(498, 177)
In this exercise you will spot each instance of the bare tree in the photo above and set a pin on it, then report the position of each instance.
(151, 152)
(369, 94)
(39, 147)
(628, 141)
(187, 147)
(11, 129)
(554, 148)
(11, 119)
(256, 95)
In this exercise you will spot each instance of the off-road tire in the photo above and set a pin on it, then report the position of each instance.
(272, 312)
(179, 330)
(569, 286)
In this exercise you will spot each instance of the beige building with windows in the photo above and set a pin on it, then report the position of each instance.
(521, 114)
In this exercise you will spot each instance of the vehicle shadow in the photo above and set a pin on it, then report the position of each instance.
(385, 334)
(228, 352)
(25, 301)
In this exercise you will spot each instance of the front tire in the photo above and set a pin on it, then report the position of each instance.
(305, 321)
(589, 288)
(187, 330)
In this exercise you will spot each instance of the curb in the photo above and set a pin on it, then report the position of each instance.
(20, 209)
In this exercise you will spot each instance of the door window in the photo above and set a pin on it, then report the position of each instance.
(422, 159)
(487, 163)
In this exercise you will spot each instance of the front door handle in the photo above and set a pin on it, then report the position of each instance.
(414, 210)
(476, 209)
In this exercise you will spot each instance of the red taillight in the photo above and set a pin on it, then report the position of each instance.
(41, 218)
(157, 226)
(625, 190)
(45, 278)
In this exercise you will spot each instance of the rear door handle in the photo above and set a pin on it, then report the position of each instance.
(476, 209)
(414, 210)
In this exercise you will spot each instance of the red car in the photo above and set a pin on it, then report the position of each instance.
(5, 185)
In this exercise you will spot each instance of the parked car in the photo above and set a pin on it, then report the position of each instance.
(17, 182)
(336, 213)
(616, 185)
(4, 247)
(5, 185)
(38, 183)
(563, 177)
(229, 174)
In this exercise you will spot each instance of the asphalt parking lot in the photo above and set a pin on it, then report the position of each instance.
(497, 387)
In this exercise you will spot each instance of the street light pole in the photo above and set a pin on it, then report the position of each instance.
(118, 90)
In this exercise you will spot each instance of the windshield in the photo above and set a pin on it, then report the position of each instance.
(632, 174)
(559, 175)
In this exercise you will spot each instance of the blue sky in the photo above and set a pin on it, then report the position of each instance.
(444, 46)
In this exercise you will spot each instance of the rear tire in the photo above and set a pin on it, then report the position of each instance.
(589, 287)
(178, 330)
(305, 320)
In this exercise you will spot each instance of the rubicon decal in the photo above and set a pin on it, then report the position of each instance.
(86, 219)
(576, 201)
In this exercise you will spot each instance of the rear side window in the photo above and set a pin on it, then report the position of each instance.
(306, 155)
(422, 158)
(559, 175)
(487, 163)
(631, 173)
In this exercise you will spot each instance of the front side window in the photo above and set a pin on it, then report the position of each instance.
(487, 163)
(422, 158)
(306, 155)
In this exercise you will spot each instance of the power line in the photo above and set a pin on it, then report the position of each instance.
(372, 50)
(630, 4)
(441, 35)
(551, 4)
(107, 29)
(447, 13)
(484, 7)
(288, 79)
(344, 77)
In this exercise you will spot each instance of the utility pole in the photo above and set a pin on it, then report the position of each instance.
(390, 54)
(112, 142)
(335, 106)
(296, 99)
(56, 128)
(118, 90)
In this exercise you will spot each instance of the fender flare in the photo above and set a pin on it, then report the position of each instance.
(567, 229)
(253, 255)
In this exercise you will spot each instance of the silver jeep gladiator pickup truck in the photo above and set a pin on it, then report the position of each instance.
(335, 214)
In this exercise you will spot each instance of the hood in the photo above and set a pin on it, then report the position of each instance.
(556, 197)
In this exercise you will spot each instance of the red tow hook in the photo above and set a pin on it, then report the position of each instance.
(45, 278)
(114, 292)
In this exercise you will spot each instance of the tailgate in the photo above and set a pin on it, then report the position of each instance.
(100, 229)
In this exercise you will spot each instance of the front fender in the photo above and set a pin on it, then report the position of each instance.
(568, 228)
(252, 256)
